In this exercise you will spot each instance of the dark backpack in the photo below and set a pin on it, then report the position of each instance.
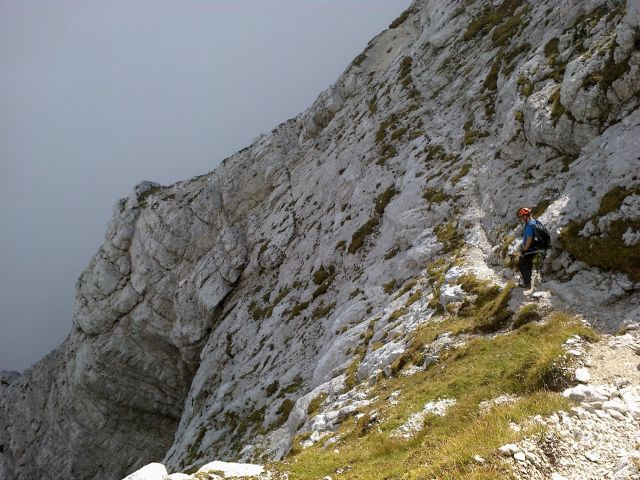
(541, 237)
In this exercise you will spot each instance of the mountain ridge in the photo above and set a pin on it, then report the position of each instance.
(217, 304)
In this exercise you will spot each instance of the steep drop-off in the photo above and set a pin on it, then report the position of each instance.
(216, 304)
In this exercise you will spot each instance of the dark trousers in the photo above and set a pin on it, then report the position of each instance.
(526, 267)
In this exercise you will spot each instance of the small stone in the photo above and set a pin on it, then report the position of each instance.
(582, 375)
(616, 404)
(519, 456)
(508, 450)
(602, 414)
(621, 466)
(617, 415)
(149, 472)
(479, 459)
(592, 457)
(621, 382)
(575, 353)
(557, 476)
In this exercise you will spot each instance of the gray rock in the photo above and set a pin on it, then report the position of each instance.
(217, 305)
(582, 375)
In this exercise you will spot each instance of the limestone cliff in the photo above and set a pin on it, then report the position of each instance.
(216, 304)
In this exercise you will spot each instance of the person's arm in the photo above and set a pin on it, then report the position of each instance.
(527, 245)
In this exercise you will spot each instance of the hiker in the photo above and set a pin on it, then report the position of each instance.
(535, 239)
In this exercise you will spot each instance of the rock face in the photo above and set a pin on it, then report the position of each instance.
(219, 307)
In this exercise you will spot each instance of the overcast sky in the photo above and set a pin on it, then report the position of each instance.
(97, 95)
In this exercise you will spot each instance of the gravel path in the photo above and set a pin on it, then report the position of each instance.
(599, 438)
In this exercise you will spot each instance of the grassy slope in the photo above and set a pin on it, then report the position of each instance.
(526, 362)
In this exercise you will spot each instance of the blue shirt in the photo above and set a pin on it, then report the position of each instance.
(529, 231)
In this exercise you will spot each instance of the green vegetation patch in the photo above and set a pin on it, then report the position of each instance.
(298, 308)
(491, 18)
(607, 251)
(508, 29)
(551, 51)
(488, 311)
(144, 197)
(383, 199)
(402, 18)
(404, 73)
(322, 274)
(526, 87)
(387, 151)
(322, 311)
(284, 410)
(259, 312)
(528, 313)
(389, 286)
(517, 363)
(448, 235)
(491, 81)
(373, 105)
(379, 206)
(611, 72)
(315, 403)
(464, 170)
(557, 109)
(359, 236)
(471, 135)
(510, 58)
(392, 252)
(540, 208)
(435, 195)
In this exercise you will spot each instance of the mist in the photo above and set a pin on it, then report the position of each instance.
(97, 96)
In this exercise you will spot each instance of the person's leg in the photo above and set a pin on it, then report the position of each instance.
(526, 268)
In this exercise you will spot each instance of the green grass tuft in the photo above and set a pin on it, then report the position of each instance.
(607, 251)
(491, 18)
(557, 109)
(464, 170)
(402, 18)
(435, 195)
(448, 235)
(528, 313)
(526, 85)
(522, 362)
(551, 50)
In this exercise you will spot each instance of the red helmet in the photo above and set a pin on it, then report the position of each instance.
(524, 211)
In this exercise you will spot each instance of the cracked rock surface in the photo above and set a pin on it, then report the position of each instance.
(220, 306)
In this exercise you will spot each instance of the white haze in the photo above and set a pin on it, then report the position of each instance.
(96, 96)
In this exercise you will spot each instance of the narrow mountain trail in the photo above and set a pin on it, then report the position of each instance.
(599, 437)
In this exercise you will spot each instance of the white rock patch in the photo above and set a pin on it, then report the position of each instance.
(415, 421)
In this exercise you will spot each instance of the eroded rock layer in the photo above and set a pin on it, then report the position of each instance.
(217, 303)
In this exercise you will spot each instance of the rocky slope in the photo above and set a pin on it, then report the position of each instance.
(216, 305)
